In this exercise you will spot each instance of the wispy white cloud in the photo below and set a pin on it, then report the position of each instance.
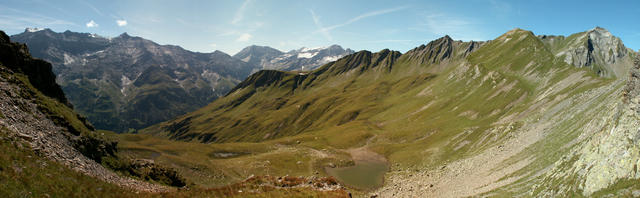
(442, 24)
(324, 31)
(121, 22)
(91, 24)
(366, 15)
(240, 12)
(18, 19)
(54, 5)
(244, 37)
(96, 10)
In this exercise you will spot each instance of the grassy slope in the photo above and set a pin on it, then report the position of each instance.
(24, 174)
(419, 118)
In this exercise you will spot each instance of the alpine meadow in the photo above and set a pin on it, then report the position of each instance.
(431, 99)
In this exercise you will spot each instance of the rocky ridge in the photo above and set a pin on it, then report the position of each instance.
(442, 49)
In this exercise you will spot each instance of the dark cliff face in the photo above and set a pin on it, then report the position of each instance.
(16, 57)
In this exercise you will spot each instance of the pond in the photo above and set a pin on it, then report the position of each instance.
(367, 173)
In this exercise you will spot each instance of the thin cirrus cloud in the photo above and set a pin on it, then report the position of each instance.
(91, 24)
(316, 20)
(121, 22)
(442, 24)
(96, 10)
(326, 30)
(18, 19)
(244, 37)
(240, 12)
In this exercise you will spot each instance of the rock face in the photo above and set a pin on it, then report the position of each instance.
(129, 82)
(442, 49)
(258, 55)
(303, 59)
(42, 119)
(594, 48)
(17, 57)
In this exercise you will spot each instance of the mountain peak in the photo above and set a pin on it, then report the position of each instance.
(257, 47)
(434, 52)
(361, 61)
(124, 35)
(599, 29)
(596, 46)
(36, 29)
(515, 31)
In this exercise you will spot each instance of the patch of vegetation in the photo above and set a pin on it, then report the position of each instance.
(145, 170)
(25, 174)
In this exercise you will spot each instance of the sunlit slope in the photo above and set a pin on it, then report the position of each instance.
(272, 104)
(468, 117)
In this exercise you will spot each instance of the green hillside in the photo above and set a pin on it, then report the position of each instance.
(463, 118)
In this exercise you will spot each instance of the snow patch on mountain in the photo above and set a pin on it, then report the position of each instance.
(307, 54)
(306, 49)
(68, 59)
(125, 82)
(328, 59)
(34, 29)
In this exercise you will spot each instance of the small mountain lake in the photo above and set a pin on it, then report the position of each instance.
(367, 173)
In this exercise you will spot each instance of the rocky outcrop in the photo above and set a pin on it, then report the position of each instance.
(148, 170)
(434, 52)
(594, 47)
(360, 62)
(258, 55)
(632, 89)
(442, 49)
(17, 58)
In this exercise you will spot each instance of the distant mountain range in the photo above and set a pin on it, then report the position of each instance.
(128, 82)
(301, 59)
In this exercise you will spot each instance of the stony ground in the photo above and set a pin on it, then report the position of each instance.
(23, 118)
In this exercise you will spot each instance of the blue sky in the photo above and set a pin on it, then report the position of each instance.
(229, 26)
